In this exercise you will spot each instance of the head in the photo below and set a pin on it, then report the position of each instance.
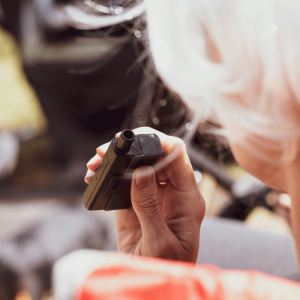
(238, 62)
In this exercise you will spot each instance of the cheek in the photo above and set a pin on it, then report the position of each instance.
(271, 175)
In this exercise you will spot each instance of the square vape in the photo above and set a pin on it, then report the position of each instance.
(111, 184)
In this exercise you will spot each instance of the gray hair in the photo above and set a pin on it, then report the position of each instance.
(237, 60)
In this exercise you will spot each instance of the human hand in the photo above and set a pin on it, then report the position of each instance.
(167, 207)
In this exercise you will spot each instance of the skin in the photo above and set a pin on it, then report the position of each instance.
(171, 228)
(164, 221)
(164, 236)
(283, 176)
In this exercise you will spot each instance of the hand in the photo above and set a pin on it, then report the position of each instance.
(164, 220)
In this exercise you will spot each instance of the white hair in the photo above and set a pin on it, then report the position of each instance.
(238, 59)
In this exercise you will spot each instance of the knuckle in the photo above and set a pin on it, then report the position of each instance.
(179, 143)
(148, 203)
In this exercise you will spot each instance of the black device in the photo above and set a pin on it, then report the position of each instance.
(110, 186)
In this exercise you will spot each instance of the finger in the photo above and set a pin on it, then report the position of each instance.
(146, 204)
(102, 149)
(174, 160)
(89, 176)
(161, 175)
(177, 165)
(126, 219)
(94, 163)
(88, 180)
(146, 130)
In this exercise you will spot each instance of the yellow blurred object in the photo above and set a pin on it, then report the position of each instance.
(23, 295)
(235, 171)
(263, 219)
(19, 105)
(214, 195)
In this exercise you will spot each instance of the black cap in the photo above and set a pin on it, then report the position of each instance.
(125, 140)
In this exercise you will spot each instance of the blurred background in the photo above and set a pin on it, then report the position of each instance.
(72, 74)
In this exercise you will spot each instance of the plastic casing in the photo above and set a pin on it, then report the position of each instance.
(110, 186)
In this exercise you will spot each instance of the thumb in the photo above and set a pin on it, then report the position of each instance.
(145, 200)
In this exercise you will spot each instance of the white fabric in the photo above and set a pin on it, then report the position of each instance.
(70, 272)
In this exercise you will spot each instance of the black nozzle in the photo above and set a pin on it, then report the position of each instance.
(125, 140)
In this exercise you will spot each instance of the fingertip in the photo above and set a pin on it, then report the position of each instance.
(89, 176)
(94, 161)
(102, 149)
(93, 168)
(88, 180)
(144, 176)
(100, 152)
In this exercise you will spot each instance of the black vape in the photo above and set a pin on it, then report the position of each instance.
(110, 186)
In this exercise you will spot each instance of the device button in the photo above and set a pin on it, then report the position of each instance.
(115, 185)
(150, 144)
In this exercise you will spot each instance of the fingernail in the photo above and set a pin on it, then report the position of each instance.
(89, 173)
(144, 177)
(93, 160)
(102, 149)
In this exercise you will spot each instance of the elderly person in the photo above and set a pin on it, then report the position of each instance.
(236, 62)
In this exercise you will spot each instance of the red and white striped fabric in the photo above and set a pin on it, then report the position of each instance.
(124, 277)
